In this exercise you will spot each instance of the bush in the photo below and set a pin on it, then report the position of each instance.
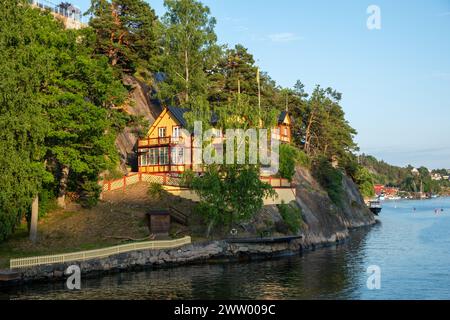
(289, 158)
(363, 178)
(89, 194)
(155, 190)
(329, 178)
(47, 202)
(292, 216)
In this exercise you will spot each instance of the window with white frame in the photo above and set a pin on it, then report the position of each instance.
(153, 157)
(143, 157)
(285, 131)
(162, 132)
(164, 156)
(176, 132)
(177, 155)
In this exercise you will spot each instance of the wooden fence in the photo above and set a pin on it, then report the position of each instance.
(168, 180)
(98, 253)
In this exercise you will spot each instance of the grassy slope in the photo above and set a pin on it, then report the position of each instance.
(120, 214)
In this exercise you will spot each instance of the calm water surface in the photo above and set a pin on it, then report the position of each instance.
(412, 248)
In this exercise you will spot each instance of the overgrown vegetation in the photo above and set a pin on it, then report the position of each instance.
(292, 216)
(330, 178)
(155, 190)
(290, 157)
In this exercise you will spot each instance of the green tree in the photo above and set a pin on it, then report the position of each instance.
(329, 178)
(327, 132)
(231, 195)
(127, 32)
(364, 180)
(82, 94)
(23, 69)
(189, 50)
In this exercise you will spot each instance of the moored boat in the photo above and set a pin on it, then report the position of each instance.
(375, 207)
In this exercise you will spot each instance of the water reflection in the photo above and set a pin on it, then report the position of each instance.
(326, 273)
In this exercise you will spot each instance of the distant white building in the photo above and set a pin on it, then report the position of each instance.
(415, 172)
(436, 177)
(70, 15)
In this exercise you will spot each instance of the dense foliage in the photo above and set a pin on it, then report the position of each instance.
(403, 177)
(57, 112)
(63, 102)
(330, 178)
(292, 216)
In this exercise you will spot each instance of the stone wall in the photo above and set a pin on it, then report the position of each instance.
(193, 253)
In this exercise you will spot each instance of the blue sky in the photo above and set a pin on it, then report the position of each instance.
(395, 81)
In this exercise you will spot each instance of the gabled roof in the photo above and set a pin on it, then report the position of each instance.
(178, 113)
(282, 116)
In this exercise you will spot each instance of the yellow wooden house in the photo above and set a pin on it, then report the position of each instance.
(165, 146)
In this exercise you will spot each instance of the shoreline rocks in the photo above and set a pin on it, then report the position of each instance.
(195, 253)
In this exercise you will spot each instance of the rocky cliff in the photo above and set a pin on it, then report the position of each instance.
(140, 105)
(324, 221)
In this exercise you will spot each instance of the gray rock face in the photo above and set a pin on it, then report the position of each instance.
(325, 222)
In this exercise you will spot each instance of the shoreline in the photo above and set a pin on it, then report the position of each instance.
(208, 252)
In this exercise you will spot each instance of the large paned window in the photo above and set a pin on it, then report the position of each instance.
(163, 155)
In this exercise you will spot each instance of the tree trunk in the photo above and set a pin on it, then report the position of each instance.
(209, 228)
(186, 66)
(34, 219)
(63, 186)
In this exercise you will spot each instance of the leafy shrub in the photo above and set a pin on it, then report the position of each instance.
(47, 202)
(289, 158)
(364, 179)
(89, 194)
(292, 216)
(329, 178)
(155, 190)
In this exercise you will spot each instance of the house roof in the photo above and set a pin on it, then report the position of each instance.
(282, 116)
(178, 113)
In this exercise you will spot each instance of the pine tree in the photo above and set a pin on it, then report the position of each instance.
(127, 32)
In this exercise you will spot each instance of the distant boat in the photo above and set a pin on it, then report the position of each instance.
(375, 207)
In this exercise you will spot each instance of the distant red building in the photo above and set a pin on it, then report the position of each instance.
(387, 191)
(379, 188)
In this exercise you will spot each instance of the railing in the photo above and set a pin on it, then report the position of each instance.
(168, 180)
(277, 182)
(134, 178)
(149, 142)
(72, 12)
(99, 253)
